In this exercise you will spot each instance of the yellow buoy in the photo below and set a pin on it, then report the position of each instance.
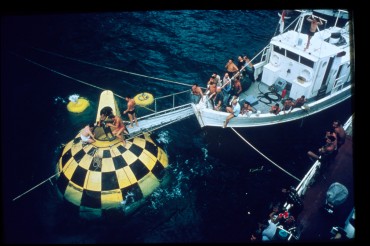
(144, 99)
(79, 106)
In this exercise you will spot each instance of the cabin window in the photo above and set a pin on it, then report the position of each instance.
(307, 62)
(292, 56)
(279, 50)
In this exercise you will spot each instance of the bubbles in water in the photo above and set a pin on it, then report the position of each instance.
(205, 152)
(164, 137)
(59, 99)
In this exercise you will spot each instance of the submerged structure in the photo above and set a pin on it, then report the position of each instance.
(107, 176)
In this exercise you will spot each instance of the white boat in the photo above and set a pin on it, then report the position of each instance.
(322, 72)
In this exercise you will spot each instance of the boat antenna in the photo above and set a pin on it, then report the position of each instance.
(291, 175)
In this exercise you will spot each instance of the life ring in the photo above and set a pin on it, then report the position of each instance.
(144, 99)
(79, 106)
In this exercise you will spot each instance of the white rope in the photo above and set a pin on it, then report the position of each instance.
(265, 156)
(69, 77)
(36, 186)
(110, 68)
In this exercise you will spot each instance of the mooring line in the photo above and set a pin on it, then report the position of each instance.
(110, 68)
(265, 156)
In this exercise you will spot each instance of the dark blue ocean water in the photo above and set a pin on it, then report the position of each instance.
(213, 196)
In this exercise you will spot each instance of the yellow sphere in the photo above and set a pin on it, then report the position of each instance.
(144, 99)
(79, 106)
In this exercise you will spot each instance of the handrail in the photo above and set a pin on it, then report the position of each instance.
(173, 98)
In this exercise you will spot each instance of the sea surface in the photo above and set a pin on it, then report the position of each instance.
(220, 186)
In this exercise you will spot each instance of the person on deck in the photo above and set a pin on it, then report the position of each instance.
(325, 151)
(314, 25)
(234, 111)
(299, 102)
(275, 109)
(217, 79)
(131, 110)
(288, 105)
(340, 132)
(226, 87)
(86, 134)
(231, 68)
(118, 126)
(249, 68)
(219, 100)
(247, 109)
(196, 94)
(104, 113)
(236, 88)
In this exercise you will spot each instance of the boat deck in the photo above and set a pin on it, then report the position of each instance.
(314, 222)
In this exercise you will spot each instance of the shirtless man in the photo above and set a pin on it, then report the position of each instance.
(231, 67)
(86, 134)
(246, 108)
(313, 28)
(340, 132)
(118, 126)
(275, 109)
(288, 105)
(197, 94)
(325, 151)
(131, 110)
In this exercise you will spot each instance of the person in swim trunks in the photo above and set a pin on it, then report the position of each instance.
(131, 110)
(315, 22)
(86, 134)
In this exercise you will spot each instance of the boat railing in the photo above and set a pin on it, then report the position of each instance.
(339, 14)
(338, 84)
(309, 178)
(263, 54)
(174, 96)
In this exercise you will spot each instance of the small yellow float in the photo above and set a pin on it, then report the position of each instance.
(77, 104)
(144, 99)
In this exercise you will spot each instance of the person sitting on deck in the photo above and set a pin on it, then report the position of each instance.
(275, 109)
(288, 105)
(340, 132)
(326, 151)
(299, 102)
(234, 111)
(119, 127)
(196, 94)
(236, 88)
(86, 134)
(247, 109)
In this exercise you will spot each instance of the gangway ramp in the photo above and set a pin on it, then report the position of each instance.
(160, 119)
